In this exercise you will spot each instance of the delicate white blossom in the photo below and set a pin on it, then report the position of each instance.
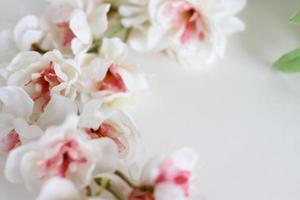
(110, 76)
(170, 178)
(99, 122)
(63, 151)
(26, 33)
(17, 122)
(41, 76)
(73, 24)
(193, 32)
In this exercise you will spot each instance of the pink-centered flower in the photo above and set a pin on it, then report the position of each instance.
(109, 76)
(171, 178)
(63, 151)
(186, 17)
(72, 25)
(42, 76)
(194, 32)
(99, 122)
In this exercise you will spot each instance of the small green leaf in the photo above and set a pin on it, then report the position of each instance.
(289, 62)
(295, 18)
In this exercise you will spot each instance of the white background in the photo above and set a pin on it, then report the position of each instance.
(242, 117)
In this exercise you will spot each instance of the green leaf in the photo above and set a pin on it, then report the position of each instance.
(289, 62)
(295, 18)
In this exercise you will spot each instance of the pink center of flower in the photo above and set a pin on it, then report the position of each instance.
(68, 34)
(107, 130)
(180, 178)
(140, 195)
(46, 80)
(191, 20)
(112, 81)
(10, 141)
(67, 155)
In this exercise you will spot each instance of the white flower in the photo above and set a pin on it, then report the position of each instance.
(110, 76)
(26, 33)
(171, 177)
(16, 117)
(64, 152)
(41, 76)
(16, 108)
(115, 124)
(194, 32)
(73, 24)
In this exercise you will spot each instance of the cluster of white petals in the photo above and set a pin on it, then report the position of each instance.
(66, 77)
(191, 31)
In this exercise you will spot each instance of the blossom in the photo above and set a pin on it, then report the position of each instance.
(41, 76)
(74, 24)
(26, 33)
(63, 151)
(194, 32)
(16, 108)
(170, 178)
(109, 76)
(16, 117)
(99, 122)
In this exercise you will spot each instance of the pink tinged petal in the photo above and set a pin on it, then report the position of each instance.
(59, 164)
(10, 141)
(189, 31)
(107, 130)
(112, 81)
(46, 80)
(68, 35)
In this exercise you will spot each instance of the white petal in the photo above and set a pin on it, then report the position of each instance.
(59, 189)
(25, 130)
(169, 192)
(91, 117)
(98, 20)
(106, 154)
(13, 164)
(57, 111)
(185, 159)
(23, 60)
(15, 101)
(80, 27)
(8, 47)
(25, 24)
(28, 38)
(114, 49)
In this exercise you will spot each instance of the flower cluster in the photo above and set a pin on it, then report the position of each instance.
(65, 78)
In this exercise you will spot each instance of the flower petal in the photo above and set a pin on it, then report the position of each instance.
(59, 189)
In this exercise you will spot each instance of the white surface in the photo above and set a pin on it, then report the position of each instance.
(242, 117)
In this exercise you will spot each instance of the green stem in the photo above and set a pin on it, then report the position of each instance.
(126, 179)
(105, 184)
